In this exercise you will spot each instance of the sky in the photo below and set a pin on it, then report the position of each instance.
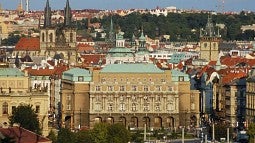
(229, 5)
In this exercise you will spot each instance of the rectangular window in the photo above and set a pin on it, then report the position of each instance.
(134, 88)
(98, 107)
(110, 88)
(157, 97)
(13, 109)
(181, 78)
(158, 88)
(98, 88)
(68, 97)
(37, 109)
(122, 88)
(68, 107)
(146, 107)
(5, 108)
(80, 78)
(110, 107)
(122, 107)
(170, 88)
(133, 107)
(103, 80)
(145, 88)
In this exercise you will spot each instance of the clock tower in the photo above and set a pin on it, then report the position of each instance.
(209, 42)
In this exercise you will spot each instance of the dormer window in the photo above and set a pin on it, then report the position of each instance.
(80, 78)
(181, 78)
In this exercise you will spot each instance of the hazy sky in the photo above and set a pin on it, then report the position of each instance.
(229, 5)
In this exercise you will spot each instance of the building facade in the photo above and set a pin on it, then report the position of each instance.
(250, 99)
(134, 95)
(16, 90)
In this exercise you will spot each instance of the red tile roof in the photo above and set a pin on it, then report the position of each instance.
(233, 61)
(58, 70)
(28, 44)
(93, 58)
(232, 76)
(22, 135)
(86, 48)
(40, 71)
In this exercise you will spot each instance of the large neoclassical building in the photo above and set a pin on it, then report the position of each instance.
(131, 94)
(15, 90)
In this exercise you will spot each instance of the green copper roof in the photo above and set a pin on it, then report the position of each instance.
(142, 52)
(142, 37)
(77, 74)
(177, 57)
(12, 72)
(119, 35)
(177, 74)
(131, 68)
(119, 50)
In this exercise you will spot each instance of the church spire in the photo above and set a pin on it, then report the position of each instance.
(142, 40)
(111, 32)
(47, 15)
(68, 14)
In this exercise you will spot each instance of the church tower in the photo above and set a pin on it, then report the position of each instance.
(58, 39)
(68, 29)
(111, 32)
(47, 32)
(209, 42)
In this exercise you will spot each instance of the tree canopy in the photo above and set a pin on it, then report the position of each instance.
(25, 116)
(180, 26)
(101, 133)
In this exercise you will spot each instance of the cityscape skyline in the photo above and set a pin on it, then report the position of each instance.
(215, 5)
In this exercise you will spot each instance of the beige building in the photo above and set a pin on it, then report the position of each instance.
(132, 94)
(15, 90)
(250, 100)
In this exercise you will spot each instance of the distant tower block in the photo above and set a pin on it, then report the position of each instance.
(27, 5)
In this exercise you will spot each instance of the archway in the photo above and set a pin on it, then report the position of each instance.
(98, 120)
(170, 123)
(67, 121)
(134, 123)
(157, 122)
(146, 120)
(123, 120)
(193, 121)
(110, 120)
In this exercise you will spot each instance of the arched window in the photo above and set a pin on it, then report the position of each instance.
(51, 37)
(43, 37)
(71, 37)
(5, 108)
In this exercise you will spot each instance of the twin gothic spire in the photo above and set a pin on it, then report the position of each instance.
(67, 15)
(47, 15)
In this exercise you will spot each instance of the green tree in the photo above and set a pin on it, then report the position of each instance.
(52, 136)
(7, 139)
(84, 137)
(26, 117)
(65, 136)
(117, 133)
(99, 133)
(251, 132)
(221, 131)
